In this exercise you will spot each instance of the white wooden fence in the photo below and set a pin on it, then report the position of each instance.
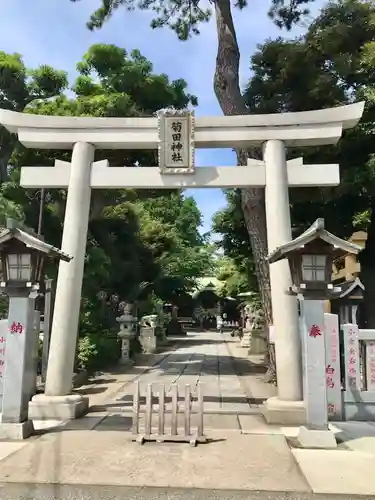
(143, 428)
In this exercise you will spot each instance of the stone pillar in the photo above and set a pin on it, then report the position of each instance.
(248, 326)
(20, 369)
(316, 433)
(285, 312)
(57, 400)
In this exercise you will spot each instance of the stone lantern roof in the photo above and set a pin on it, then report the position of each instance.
(33, 242)
(314, 232)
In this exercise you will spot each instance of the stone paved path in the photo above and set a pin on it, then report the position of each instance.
(210, 359)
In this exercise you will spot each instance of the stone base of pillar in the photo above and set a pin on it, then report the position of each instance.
(16, 431)
(279, 412)
(69, 407)
(316, 439)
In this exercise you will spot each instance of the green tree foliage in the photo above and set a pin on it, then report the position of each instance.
(139, 242)
(20, 87)
(185, 17)
(237, 269)
(235, 278)
(333, 64)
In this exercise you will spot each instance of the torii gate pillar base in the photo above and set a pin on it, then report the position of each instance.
(279, 412)
(17, 431)
(69, 407)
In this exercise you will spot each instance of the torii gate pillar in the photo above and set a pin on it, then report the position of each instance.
(284, 307)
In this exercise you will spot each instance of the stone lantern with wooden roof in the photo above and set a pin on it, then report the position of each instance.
(22, 255)
(310, 257)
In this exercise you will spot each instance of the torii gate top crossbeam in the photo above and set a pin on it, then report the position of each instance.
(306, 128)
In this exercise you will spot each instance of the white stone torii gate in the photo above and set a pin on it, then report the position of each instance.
(275, 132)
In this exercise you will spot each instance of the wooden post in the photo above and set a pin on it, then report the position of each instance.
(200, 411)
(135, 427)
(161, 409)
(174, 424)
(148, 423)
(187, 409)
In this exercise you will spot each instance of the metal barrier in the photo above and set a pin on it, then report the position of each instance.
(162, 433)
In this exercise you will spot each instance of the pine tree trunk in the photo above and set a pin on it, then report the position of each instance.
(228, 93)
(7, 145)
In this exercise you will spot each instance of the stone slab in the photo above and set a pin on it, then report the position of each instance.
(337, 471)
(293, 431)
(229, 461)
(312, 438)
(357, 436)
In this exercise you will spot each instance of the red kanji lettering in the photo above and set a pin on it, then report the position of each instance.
(331, 408)
(330, 383)
(352, 351)
(315, 331)
(330, 370)
(352, 371)
(352, 360)
(16, 328)
(2, 340)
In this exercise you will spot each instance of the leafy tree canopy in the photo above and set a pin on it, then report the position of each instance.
(333, 64)
(139, 242)
(20, 87)
(184, 17)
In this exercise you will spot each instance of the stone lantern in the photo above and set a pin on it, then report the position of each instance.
(127, 323)
(310, 257)
(22, 256)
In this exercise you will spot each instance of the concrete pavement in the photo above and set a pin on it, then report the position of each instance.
(243, 454)
(86, 492)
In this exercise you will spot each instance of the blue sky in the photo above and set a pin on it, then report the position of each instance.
(54, 32)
